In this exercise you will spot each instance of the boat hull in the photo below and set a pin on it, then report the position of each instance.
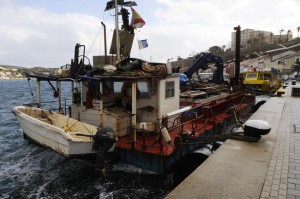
(161, 163)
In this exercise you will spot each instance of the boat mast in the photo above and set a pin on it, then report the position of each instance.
(117, 32)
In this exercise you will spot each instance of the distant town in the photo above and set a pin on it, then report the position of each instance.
(17, 72)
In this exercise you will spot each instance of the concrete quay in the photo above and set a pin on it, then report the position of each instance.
(269, 168)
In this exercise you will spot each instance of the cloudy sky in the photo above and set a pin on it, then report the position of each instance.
(44, 32)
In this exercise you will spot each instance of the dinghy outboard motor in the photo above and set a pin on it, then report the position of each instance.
(256, 128)
(104, 143)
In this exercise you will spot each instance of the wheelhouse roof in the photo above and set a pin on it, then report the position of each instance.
(100, 78)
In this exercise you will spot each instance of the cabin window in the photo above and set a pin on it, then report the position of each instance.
(170, 89)
(267, 76)
(144, 89)
(252, 76)
(118, 86)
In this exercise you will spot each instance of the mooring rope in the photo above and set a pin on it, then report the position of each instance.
(234, 136)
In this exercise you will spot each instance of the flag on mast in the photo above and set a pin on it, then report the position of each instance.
(137, 21)
(143, 43)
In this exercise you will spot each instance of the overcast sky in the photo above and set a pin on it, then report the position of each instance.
(44, 32)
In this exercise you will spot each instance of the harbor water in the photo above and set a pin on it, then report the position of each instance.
(28, 170)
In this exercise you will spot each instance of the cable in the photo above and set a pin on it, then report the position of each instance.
(31, 90)
(94, 41)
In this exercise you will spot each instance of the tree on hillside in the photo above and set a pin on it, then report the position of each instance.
(287, 34)
(224, 48)
(280, 32)
(298, 29)
(215, 50)
(296, 67)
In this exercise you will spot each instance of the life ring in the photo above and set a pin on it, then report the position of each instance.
(260, 69)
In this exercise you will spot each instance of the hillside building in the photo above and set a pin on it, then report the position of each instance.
(251, 38)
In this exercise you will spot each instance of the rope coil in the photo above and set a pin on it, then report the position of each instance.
(155, 70)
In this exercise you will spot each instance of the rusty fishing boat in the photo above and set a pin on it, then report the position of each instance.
(128, 110)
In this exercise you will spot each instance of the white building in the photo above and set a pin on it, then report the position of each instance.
(253, 38)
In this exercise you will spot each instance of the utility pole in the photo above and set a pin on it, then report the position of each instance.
(237, 57)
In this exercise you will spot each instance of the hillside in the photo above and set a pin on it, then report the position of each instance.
(12, 67)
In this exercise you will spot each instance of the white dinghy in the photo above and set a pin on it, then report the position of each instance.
(61, 133)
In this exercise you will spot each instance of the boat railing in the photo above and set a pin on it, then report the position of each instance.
(49, 105)
(199, 117)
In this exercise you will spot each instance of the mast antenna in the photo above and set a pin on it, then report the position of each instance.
(117, 32)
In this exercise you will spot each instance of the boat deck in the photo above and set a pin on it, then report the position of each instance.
(268, 168)
(149, 142)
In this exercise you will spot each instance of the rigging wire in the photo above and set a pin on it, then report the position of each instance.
(137, 31)
(94, 41)
(101, 35)
(28, 80)
(137, 38)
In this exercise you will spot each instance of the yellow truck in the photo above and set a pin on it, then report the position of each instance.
(261, 81)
